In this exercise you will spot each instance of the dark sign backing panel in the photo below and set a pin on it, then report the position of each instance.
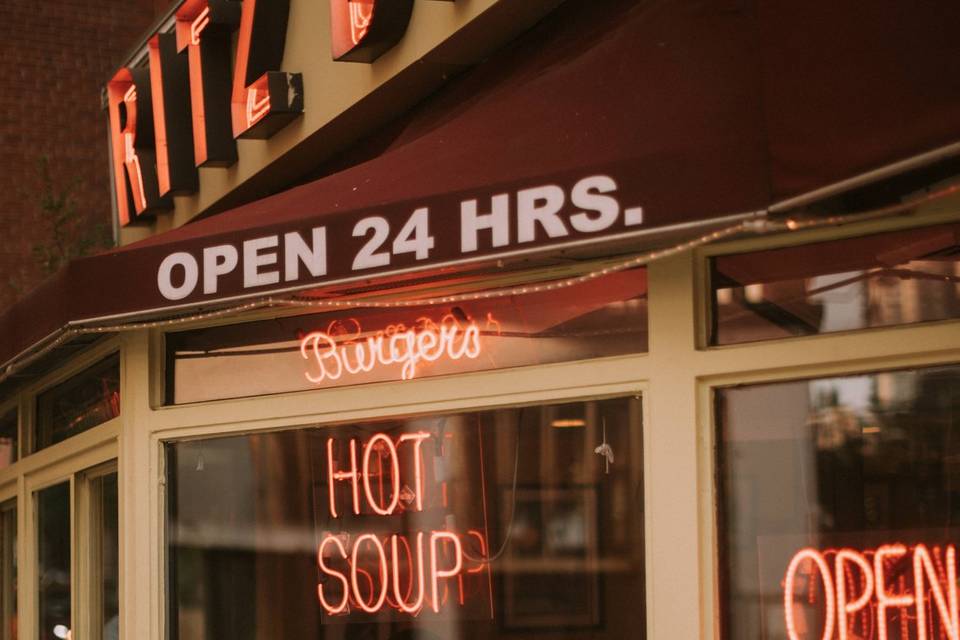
(440, 231)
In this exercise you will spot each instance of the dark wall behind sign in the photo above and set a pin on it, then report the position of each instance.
(56, 55)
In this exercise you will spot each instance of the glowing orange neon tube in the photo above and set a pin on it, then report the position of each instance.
(814, 556)
(395, 474)
(402, 600)
(397, 344)
(378, 600)
(436, 574)
(333, 609)
(351, 475)
(845, 556)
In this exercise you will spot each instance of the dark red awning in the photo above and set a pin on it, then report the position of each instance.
(700, 109)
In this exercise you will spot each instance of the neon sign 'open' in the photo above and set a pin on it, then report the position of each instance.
(869, 594)
(334, 354)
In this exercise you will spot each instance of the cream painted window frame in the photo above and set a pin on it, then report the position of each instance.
(676, 378)
(65, 461)
(861, 351)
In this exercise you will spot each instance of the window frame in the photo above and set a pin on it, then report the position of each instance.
(65, 461)
(676, 377)
(851, 352)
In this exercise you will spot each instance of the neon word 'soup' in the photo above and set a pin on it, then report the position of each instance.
(407, 572)
(332, 354)
(215, 78)
(893, 591)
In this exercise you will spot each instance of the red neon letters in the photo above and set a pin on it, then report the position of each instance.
(361, 30)
(333, 355)
(387, 455)
(204, 29)
(263, 99)
(170, 85)
(866, 594)
(131, 134)
(223, 97)
(371, 571)
(375, 573)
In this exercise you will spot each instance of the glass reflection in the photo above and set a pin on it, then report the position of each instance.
(462, 526)
(8, 570)
(86, 400)
(53, 554)
(858, 464)
(873, 281)
(106, 566)
(9, 438)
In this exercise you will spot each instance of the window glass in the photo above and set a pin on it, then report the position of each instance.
(9, 430)
(8, 570)
(472, 526)
(839, 507)
(602, 318)
(105, 563)
(873, 281)
(84, 401)
(53, 556)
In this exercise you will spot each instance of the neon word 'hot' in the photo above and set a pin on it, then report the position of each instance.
(379, 457)
(333, 355)
(910, 592)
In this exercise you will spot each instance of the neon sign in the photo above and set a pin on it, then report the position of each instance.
(362, 30)
(342, 349)
(370, 568)
(134, 153)
(892, 591)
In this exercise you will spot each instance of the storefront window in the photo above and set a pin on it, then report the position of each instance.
(8, 570)
(873, 281)
(839, 507)
(84, 401)
(54, 562)
(9, 429)
(601, 318)
(524, 521)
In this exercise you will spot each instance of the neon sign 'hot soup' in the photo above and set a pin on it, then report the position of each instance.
(394, 539)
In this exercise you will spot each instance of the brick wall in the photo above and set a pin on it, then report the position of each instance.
(55, 55)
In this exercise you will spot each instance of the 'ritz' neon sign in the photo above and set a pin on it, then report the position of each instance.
(910, 592)
(371, 571)
(333, 354)
(190, 104)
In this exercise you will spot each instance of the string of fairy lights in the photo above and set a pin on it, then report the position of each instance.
(758, 225)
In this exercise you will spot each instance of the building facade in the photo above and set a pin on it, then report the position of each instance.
(473, 319)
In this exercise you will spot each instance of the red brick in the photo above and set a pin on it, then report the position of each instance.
(56, 55)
